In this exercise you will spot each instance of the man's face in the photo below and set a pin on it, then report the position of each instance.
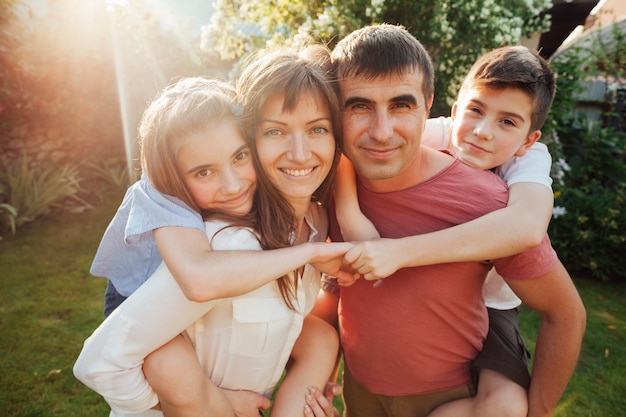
(383, 121)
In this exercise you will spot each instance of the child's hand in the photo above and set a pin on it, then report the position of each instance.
(246, 403)
(329, 260)
(321, 405)
(374, 259)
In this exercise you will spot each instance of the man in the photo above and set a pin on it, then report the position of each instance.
(408, 344)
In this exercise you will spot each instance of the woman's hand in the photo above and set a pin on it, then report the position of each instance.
(321, 405)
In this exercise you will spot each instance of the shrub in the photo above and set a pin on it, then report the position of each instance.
(588, 229)
(589, 226)
(32, 192)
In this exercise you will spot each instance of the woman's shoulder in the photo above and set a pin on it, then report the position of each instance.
(224, 236)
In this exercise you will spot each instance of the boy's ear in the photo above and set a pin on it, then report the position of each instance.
(528, 142)
(453, 110)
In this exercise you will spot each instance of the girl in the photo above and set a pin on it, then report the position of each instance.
(293, 110)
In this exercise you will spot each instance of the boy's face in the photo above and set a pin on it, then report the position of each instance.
(492, 125)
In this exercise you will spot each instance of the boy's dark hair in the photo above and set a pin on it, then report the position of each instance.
(380, 50)
(520, 68)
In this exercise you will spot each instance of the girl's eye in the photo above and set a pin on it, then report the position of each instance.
(242, 155)
(203, 173)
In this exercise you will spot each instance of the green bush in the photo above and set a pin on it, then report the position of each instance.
(32, 192)
(588, 229)
(589, 226)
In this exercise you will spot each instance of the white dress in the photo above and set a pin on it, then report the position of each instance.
(242, 342)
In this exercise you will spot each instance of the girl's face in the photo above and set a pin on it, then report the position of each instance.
(296, 148)
(217, 168)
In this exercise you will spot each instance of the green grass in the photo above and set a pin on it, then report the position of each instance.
(49, 304)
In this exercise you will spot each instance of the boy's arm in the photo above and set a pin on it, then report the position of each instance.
(352, 222)
(563, 320)
(510, 230)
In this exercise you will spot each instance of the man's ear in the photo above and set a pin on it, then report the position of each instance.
(528, 142)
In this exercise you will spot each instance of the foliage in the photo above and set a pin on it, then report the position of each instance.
(113, 171)
(32, 192)
(589, 225)
(454, 32)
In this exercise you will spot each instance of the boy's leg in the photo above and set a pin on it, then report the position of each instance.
(501, 371)
(176, 375)
(312, 362)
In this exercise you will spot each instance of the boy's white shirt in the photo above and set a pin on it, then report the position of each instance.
(533, 167)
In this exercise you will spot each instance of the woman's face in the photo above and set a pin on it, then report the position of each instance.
(217, 168)
(296, 148)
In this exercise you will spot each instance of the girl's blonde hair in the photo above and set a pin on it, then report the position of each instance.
(188, 106)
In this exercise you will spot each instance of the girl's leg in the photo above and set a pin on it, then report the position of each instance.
(184, 390)
(313, 361)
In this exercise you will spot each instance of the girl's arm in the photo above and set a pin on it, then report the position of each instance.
(204, 274)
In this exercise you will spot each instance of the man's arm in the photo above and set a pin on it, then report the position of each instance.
(563, 320)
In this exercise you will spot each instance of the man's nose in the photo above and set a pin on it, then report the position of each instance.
(381, 128)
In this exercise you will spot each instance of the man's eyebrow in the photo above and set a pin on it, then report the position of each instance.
(354, 100)
(405, 98)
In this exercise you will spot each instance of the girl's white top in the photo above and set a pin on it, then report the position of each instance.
(243, 343)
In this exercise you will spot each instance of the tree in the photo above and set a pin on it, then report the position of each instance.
(454, 32)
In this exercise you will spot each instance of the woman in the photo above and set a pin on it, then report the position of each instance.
(295, 142)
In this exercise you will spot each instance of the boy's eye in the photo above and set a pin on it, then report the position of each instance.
(509, 122)
(475, 110)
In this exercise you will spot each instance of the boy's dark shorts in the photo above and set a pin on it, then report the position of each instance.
(504, 350)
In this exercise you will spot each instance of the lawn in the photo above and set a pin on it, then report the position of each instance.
(49, 304)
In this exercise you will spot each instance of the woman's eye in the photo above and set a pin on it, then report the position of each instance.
(320, 130)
